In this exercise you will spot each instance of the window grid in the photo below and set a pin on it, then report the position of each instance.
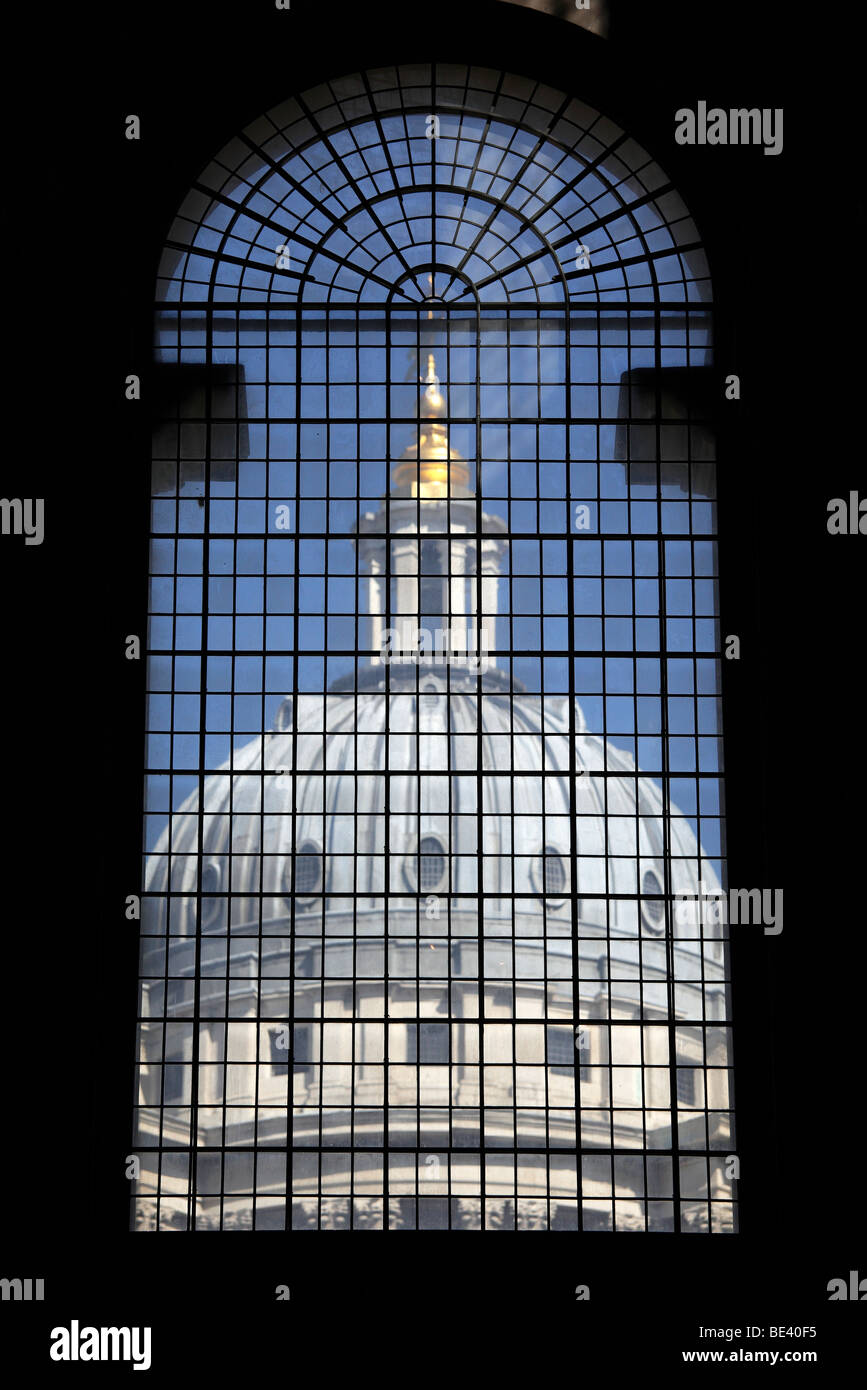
(454, 1053)
(241, 677)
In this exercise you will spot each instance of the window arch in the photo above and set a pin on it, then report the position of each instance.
(369, 198)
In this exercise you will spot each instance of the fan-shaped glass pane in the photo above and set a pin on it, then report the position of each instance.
(395, 196)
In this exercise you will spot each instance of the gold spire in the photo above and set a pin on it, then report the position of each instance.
(429, 468)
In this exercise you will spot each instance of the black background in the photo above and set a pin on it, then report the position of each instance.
(85, 215)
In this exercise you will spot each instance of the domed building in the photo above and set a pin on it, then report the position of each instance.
(434, 970)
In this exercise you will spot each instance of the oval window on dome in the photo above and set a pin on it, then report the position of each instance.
(283, 717)
(303, 875)
(212, 879)
(428, 868)
(653, 903)
(550, 875)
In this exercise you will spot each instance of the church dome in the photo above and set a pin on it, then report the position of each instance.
(324, 833)
(435, 777)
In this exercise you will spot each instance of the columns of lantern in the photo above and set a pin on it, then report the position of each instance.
(376, 606)
(431, 498)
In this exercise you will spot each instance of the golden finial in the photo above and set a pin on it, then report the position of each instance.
(429, 468)
(434, 403)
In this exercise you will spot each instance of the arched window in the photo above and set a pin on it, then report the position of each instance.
(434, 582)
(406, 186)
